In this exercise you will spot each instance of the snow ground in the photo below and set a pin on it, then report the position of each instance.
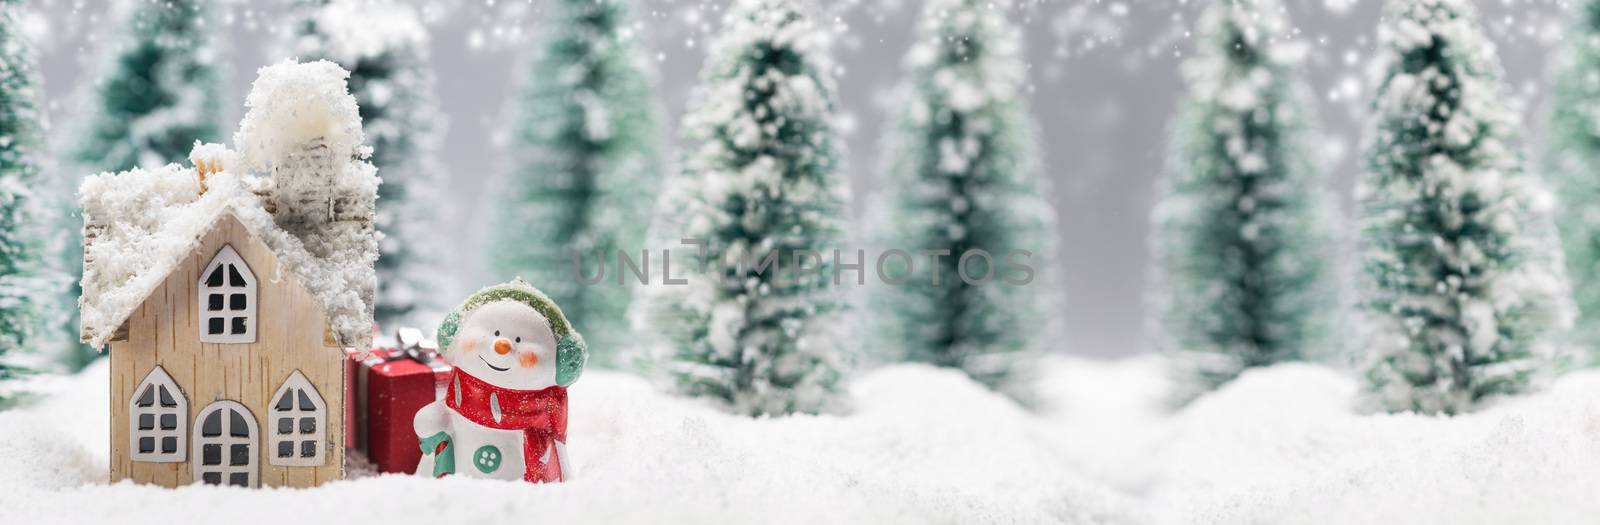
(1279, 445)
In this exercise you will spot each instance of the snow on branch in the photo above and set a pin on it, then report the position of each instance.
(360, 29)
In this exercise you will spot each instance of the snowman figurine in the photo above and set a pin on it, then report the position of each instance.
(504, 412)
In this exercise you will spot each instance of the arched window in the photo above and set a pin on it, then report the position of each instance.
(156, 414)
(225, 446)
(227, 300)
(297, 422)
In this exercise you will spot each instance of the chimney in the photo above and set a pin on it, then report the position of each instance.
(305, 181)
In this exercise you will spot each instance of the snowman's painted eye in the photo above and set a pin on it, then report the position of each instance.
(519, 339)
(497, 333)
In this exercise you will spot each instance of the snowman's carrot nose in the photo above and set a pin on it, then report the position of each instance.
(502, 346)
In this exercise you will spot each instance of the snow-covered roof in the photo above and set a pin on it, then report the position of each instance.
(300, 146)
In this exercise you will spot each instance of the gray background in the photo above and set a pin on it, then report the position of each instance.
(1104, 81)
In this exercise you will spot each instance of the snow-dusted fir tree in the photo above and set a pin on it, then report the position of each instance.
(586, 163)
(1243, 233)
(27, 300)
(1462, 261)
(762, 179)
(962, 178)
(1572, 165)
(158, 92)
(384, 46)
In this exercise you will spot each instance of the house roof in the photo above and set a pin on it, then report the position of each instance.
(300, 186)
(141, 225)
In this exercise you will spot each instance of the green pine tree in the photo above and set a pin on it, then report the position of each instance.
(1572, 165)
(586, 163)
(384, 47)
(962, 172)
(1243, 229)
(755, 328)
(1464, 268)
(158, 94)
(27, 284)
(160, 91)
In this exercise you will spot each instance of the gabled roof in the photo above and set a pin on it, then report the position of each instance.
(140, 225)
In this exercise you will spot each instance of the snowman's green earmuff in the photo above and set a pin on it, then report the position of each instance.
(571, 350)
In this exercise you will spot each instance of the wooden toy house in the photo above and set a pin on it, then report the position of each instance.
(228, 293)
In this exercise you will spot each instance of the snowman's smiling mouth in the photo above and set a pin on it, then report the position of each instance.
(491, 365)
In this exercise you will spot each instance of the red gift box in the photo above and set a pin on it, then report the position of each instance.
(389, 385)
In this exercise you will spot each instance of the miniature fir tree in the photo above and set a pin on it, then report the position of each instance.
(586, 163)
(27, 303)
(1465, 274)
(157, 95)
(1572, 165)
(385, 48)
(159, 92)
(1243, 228)
(961, 169)
(762, 186)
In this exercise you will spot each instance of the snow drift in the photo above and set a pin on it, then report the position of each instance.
(1279, 445)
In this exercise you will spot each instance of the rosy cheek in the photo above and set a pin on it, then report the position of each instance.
(527, 359)
(469, 346)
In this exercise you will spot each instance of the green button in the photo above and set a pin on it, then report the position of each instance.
(487, 459)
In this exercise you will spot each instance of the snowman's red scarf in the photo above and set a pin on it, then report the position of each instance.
(541, 415)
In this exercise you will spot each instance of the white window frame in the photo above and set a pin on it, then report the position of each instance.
(226, 440)
(158, 414)
(299, 390)
(228, 290)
